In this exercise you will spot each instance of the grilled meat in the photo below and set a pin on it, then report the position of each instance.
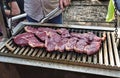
(80, 45)
(30, 29)
(56, 37)
(60, 40)
(63, 32)
(62, 44)
(26, 39)
(50, 44)
(47, 30)
(51, 41)
(71, 43)
(41, 35)
(92, 48)
(34, 42)
(21, 39)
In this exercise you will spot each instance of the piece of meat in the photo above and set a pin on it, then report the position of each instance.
(80, 45)
(62, 44)
(60, 40)
(50, 44)
(41, 35)
(33, 42)
(26, 39)
(89, 36)
(30, 29)
(78, 35)
(92, 48)
(47, 30)
(63, 32)
(56, 37)
(51, 41)
(21, 38)
(71, 43)
(92, 37)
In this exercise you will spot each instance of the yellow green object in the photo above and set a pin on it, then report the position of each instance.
(111, 11)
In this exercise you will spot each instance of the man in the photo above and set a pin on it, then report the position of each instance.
(14, 7)
(38, 9)
(4, 16)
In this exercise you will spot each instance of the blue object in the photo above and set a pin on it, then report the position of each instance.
(30, 19)
(55, 20)
(117, 4)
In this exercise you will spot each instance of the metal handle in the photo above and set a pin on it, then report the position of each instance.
(51, 14)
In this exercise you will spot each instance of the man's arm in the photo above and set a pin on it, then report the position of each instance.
(14, 7)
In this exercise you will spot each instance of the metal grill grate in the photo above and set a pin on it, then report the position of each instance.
(107, 57)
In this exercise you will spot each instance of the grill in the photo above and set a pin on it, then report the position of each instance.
(107, 57)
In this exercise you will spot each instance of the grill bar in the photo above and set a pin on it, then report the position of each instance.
(117, 59)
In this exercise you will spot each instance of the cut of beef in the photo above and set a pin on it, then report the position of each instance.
(41, 35)
(88, 36)
(78, 35)
(33, 42)
(50, 44)
(92, 48)
(71, 43)
(56, 37)
(92, 37)
(21, 38)
(61, 45)
(63, 32)
(27, 38)
(80, 45)
(60, 40)
(30, 29)
(47, 30)
(51, 41)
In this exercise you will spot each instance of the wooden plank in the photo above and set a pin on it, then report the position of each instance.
(105, 52)
(95, 58)
(30, 52)
(25, 52)
(84, 58)
(117, 58)
(39, 53)
(21, 51)
(89, 59)
(35, 52)
(110, 50)
(100, 57)
(101, 49)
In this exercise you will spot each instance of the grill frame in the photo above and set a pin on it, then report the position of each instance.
(21, 25)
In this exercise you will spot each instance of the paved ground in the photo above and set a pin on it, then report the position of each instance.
(87, 12)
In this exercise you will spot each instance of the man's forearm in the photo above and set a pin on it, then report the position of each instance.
(8, 12)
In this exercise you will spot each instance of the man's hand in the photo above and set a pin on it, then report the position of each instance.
(64, 3)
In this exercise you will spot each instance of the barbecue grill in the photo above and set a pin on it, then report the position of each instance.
(105, 62)
(106, 58)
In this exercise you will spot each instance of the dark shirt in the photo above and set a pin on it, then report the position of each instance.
(19, 2)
